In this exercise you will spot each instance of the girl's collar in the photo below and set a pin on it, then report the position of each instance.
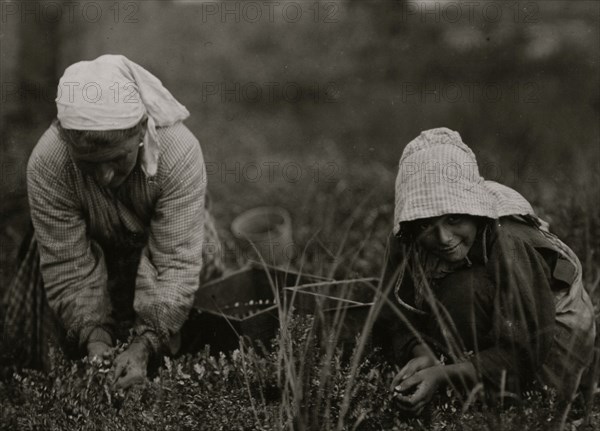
(479, 252)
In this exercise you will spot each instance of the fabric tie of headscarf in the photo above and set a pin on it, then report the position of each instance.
(438, 174)
(113, 93)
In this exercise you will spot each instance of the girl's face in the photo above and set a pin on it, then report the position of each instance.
(449, 237)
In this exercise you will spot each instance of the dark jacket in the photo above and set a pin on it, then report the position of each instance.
(496, 308)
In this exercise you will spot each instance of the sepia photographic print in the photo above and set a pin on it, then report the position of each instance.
(300, 215)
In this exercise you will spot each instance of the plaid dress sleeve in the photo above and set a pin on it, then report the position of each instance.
(169, 270)
(72, 265)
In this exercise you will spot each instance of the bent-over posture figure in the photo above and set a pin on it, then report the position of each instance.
(476, 276)
(116, 189)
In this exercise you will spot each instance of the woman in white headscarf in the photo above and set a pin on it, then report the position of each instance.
(117, 191)
(474, 275)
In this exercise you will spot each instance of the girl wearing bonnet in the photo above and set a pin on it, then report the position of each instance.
(477, 279)
(116, 189)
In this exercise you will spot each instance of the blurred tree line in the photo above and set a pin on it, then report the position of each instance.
(519, 80)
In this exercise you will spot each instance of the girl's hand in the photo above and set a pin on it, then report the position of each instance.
(415, 364)
(414, 393)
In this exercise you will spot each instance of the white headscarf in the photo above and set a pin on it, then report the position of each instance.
(111, 93)
(438, 174)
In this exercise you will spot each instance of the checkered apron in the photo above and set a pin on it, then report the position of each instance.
(29, 323)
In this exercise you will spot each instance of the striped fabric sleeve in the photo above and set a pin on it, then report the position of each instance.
(72, 266)
(169, 270)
